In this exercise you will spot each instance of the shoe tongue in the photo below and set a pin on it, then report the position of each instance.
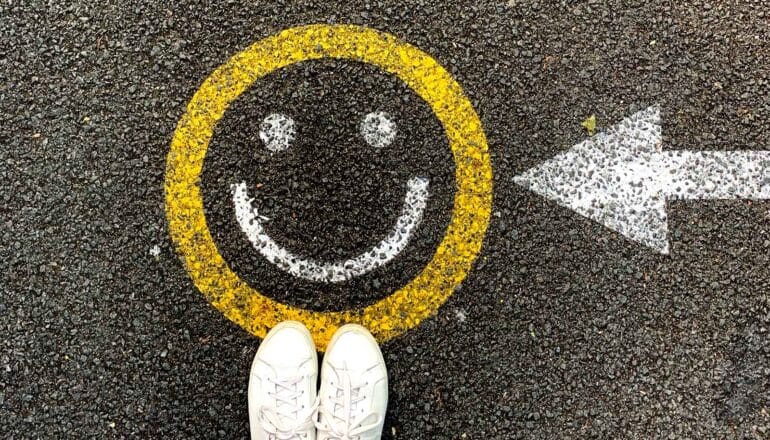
(350, 377)
(287, 413)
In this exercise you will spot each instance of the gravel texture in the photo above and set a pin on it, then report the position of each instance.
(564, 329)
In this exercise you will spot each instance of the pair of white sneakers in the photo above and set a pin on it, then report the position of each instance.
(351, 401)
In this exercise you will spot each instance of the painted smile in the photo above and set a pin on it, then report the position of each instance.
(277, 132)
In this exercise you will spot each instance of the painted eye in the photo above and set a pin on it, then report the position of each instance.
(277, 132)
(378, 129)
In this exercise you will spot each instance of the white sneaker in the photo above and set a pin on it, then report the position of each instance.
(354, 387)
(282, 385)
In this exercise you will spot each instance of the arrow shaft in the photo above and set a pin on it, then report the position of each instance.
(693, 175)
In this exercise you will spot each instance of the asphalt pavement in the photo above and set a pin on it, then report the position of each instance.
(562, 329)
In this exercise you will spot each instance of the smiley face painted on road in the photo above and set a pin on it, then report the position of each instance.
(378, 129)
(329, 184)
(329, 174)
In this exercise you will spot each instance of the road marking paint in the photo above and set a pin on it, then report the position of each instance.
(377, 129)
(622, 178)
(277, 131)
(401, 310)
(250, 221)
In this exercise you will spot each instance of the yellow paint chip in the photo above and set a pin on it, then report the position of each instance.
(403, 309)
(590, 125)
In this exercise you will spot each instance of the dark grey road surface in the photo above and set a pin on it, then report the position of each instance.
(564, 329)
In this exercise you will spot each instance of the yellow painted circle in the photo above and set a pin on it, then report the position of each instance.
(403, 309)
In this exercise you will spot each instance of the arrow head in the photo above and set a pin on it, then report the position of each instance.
(612, 178)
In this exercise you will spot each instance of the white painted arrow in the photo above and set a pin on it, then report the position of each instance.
(622, 178)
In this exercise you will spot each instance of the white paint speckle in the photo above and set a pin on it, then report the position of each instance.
(277, 132)
(460, 315)
(378, 129)
(155, 251)
(622, 178)
(251, 223)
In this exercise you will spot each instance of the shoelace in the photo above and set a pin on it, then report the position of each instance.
(272, 418)
(339, 422)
